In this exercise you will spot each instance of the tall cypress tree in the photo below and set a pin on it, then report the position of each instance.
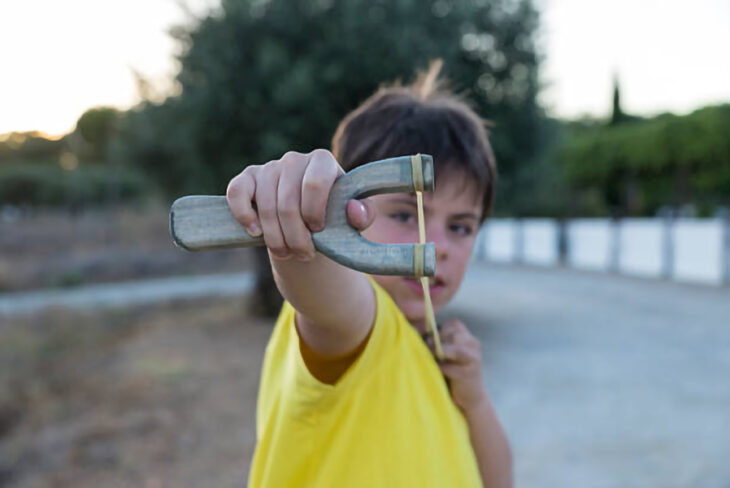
(617, 115)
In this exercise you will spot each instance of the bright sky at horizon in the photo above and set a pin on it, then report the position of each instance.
(62, 58)
(669, 55)
(66, 57)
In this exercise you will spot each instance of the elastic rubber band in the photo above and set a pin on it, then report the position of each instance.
(419, 259)
(419, 255)
(417, 172)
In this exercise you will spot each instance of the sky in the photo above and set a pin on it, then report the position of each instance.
(60, 58)
(669, 55)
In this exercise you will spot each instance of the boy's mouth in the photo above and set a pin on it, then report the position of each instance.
(436, 285)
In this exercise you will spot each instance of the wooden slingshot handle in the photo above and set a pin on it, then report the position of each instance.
(205, 222)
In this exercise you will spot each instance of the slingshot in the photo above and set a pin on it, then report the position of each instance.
(205, 222)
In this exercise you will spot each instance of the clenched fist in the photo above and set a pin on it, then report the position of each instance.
(462, 364)
(290, 196)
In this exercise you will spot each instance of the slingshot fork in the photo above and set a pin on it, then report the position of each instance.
(205, 222)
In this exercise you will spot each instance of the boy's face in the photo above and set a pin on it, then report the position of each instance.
(452, 214)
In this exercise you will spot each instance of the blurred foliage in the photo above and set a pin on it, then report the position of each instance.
(74, 170)
(48, 184)
(30, 146)
(259, 78)
(636, 168)
(97, 128)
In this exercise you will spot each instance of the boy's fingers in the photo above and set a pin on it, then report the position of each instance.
(454, 331)
(239, 194)
(453, 327)
(297, 237)
(360, 213)
(266, 189)
(457, 353)
(321, 173)
(450, 332)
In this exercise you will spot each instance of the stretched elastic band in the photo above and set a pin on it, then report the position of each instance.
(417, 170)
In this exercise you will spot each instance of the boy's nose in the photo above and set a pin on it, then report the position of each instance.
(437, 235)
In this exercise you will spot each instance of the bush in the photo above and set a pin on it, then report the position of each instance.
(47, 184)
(645, 165)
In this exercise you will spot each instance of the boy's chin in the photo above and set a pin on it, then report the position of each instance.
(415, 312)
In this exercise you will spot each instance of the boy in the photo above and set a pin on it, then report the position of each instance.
(350, 394)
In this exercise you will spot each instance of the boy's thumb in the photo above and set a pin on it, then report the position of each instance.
(360, 213)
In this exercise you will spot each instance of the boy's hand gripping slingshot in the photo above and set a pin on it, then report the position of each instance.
(200, 223)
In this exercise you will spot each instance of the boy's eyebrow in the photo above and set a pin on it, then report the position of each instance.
(466, 215)
(406, 200)
(411, 202)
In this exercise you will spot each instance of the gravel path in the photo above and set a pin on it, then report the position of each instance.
(132, 293)
(605, 381)
(600, 380)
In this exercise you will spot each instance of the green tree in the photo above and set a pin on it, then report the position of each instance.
(29, 147)
(671, 160)
(617, 114)
(97, 128)
(261, 77)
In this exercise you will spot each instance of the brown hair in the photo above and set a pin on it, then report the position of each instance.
(424, 117)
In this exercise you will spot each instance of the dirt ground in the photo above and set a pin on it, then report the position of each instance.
(155, 397)
(58, 249)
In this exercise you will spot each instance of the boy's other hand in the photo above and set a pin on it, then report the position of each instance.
(290, 196)
(462, 365)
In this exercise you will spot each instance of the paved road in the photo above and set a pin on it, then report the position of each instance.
(605, 381)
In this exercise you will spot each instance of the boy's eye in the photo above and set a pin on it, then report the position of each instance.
(403, 217)
(461, 229)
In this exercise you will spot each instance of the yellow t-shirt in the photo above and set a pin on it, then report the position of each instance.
(388, 421)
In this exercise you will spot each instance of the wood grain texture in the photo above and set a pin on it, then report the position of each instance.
(206, 222)
(203, 222)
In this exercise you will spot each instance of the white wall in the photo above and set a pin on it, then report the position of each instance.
(641, 247)
(501, 240)
(698, 250)
(540, 242)
(589, 244)
(687, 250)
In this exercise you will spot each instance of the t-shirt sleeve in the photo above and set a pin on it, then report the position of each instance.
(382, 338)
(387, 331)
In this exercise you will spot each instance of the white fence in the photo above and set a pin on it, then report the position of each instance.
(687, 250)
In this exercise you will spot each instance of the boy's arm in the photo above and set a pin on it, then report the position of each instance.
(462, 365)
(490, 445)
(335, 305)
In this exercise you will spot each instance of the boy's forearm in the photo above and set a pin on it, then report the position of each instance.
(330, 297)
(490, 445)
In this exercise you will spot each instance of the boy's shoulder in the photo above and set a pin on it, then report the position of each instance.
(391, 334)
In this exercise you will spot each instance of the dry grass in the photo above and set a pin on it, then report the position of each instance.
(156, 396)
